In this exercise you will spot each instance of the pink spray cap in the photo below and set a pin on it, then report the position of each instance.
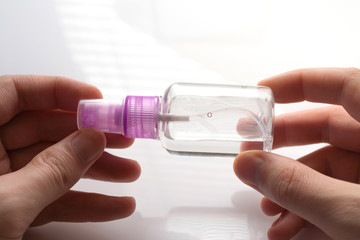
(134, 117)
(100, 114)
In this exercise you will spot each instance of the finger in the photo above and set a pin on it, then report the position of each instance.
(37, 126)
(330, 124)
(19, 158)
(335, 162)
(4, 160)
(286, 226)
(86, 207)
(107, 168)
(114, 169)
(47, 125)
(27, 92)
(270, 208)
(328, 85)
(301, 190)
(55, 170)
(118, 141)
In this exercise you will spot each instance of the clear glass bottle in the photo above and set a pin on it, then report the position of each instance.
(190, 118)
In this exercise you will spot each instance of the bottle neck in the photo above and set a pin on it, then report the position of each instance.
(141, 117)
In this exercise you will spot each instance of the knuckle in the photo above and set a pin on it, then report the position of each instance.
(56, 168)
(289, 182)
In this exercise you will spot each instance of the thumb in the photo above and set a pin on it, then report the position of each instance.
(309, 194)
(55, 170)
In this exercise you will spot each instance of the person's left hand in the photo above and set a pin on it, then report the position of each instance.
(42, 155)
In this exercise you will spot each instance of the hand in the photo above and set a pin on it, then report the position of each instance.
(42, 156)
(322, 188)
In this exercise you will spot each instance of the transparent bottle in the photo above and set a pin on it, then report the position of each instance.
(190, 118)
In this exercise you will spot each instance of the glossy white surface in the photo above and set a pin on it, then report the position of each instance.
(141, 47)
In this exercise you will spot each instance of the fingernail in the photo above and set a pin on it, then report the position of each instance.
(247, 167)
(88, 144)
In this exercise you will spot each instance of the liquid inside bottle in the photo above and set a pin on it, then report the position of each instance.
(217, 119)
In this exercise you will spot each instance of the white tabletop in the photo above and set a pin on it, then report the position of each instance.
(141, 47)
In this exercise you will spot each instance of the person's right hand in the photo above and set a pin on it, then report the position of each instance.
(322, 188)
